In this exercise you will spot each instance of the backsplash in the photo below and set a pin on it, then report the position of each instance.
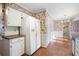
(11, 31)
(11, 28)
(75, 26)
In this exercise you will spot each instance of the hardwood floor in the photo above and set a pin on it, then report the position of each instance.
(56, 47)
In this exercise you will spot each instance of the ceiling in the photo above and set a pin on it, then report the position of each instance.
(58, 11)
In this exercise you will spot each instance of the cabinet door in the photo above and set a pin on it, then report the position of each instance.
(15, 48)
(77, 47)
(14, 17)
(21, 42)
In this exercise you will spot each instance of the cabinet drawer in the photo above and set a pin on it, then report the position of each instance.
(14, 40)
(18, 39)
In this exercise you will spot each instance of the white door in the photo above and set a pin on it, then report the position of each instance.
(32, 35)
(38, 43)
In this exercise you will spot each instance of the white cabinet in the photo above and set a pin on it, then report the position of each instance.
(31, 29)
(13, 47)
(77, 47)
(13, 17)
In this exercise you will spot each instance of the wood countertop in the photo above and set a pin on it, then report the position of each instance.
(12, 37)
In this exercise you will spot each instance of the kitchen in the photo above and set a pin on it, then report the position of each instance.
(23, 32)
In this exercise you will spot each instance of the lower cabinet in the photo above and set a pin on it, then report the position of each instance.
(77, 47)
(13, 47)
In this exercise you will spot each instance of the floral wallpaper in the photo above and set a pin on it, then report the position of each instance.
(66, 29)
(74, 26)
(41, 16)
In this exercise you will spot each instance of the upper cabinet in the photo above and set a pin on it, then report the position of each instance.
(13, 17)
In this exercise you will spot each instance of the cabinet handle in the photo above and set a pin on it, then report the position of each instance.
(21, 17)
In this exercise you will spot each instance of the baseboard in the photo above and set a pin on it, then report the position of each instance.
(25, 54)
(44, 46)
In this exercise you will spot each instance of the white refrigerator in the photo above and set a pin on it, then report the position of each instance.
(31, 30)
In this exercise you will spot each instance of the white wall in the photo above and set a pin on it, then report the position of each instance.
(59, 10)
(48, 29)
(56, 34)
